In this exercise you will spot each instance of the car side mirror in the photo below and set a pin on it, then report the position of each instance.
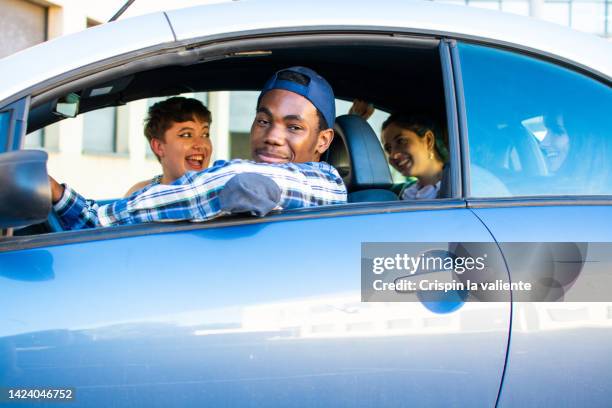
(25, 196)
(67, 106)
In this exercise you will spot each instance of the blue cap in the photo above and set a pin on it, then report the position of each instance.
(250, 193)
(317, 91)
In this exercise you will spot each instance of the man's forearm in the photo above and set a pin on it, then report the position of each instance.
(74, 211)
(195, 196)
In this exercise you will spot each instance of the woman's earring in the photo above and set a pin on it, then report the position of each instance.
(430, 155)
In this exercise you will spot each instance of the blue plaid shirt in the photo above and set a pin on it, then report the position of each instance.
(194, 196)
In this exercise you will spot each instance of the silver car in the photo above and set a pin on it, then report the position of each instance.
(267, 311)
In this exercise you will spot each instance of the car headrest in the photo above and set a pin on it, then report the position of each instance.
(358, 156)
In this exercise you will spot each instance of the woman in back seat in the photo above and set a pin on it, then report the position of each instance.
(415, 147)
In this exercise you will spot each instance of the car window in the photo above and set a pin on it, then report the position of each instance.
(107, 145)
(102, 152)
(534, 128)
(375, 121)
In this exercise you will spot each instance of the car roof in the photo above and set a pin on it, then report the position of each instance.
(207, 22)
(404, 15)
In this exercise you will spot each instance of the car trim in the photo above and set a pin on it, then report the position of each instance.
(70, 237)
(538, 54)
(509, 339)
(55, 86)
(399, 31)
(543, 201)
(16, 243)
(464, 146)
(190, 54)
(101, 71)
(450, 97)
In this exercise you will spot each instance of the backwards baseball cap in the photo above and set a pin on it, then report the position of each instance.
(316, 89)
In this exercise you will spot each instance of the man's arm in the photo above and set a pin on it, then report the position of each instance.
(74, 211)
(195, 196)
(57, 190)
(361, 108)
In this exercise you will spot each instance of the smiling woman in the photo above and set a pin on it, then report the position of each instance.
(415, 148)
(178, 131)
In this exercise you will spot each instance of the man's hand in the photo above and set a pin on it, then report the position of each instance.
(57, 190)
(361, 108)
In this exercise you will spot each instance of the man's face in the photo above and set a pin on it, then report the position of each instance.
(186, 147)
(286, 129)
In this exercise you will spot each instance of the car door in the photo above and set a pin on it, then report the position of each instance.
(246, 312)
(540, 151)
(255, 313)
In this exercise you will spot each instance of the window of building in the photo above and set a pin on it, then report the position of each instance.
(486, 4)
(557, 12)
(538, 129)
(588, 16)
(35, 140)
(100, 131)
(516, 7)
(242, 110)
(608, 7)
(591, 16)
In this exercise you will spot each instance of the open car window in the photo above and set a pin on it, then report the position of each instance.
(102, 152)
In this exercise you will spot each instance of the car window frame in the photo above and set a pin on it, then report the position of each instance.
(124, 231)
(17, 112)
(456, 120)
(348, 209)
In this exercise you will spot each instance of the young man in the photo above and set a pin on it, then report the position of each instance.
(178, 131)
(291, 130)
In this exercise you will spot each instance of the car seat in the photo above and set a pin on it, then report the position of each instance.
(358, 156)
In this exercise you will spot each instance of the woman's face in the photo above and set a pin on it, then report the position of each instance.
(186, 147)
(408, 153)
(556, 143)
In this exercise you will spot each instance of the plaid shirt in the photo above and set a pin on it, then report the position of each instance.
(194, 196)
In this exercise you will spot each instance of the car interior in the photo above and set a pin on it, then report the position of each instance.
(394, 74)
